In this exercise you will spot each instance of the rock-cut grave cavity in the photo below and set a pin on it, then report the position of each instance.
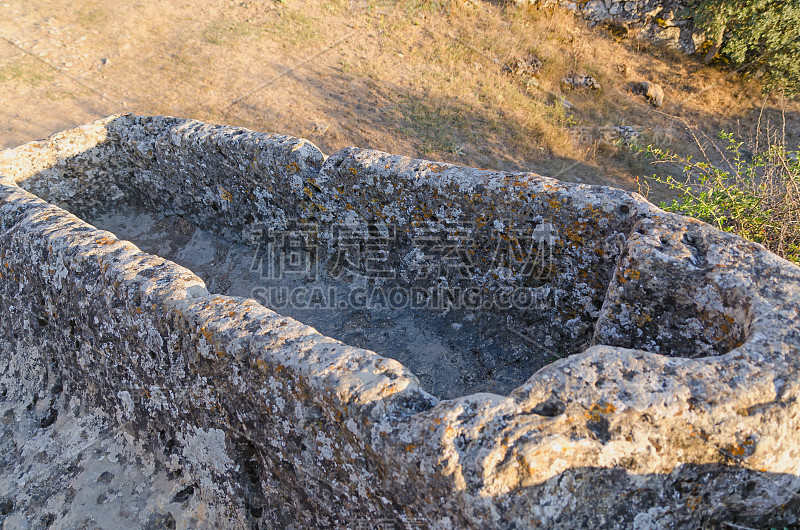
(474, 279)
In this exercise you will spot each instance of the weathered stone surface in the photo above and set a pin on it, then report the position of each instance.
(204, 383)
(662, 21)
(677, 406)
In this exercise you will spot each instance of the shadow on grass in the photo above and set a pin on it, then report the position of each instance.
(414, 123)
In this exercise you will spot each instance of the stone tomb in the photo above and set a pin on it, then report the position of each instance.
(208, 326)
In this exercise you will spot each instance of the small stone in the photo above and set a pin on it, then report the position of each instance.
(652, 91)
(528, 66)
(576, 81)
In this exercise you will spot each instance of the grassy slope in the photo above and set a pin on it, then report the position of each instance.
(421, 78)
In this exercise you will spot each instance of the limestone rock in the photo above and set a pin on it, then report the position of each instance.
(675, 402)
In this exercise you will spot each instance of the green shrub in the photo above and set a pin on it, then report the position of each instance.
(759, 37)
(756, 194)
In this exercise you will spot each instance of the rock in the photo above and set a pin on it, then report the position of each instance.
(662, 21)
(580, 81)
(652, 91)
(627, 133)
(605, 135)
(668, 393)
(529, 66)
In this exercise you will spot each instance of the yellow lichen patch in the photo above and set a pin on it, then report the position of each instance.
(261, 365)
(206, 333)
(738, 450)
(727, 327)
(516, 181)
(642, 319)
(693, 502)
(293, 166)
(628, 275)
(105, 240)
(598, 410)
(574, 233)
(735, 449)
(225, 195)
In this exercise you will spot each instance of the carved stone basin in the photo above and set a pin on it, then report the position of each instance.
(487, 348)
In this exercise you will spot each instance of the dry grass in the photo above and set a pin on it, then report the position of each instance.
(421, 78)
(749, 186)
